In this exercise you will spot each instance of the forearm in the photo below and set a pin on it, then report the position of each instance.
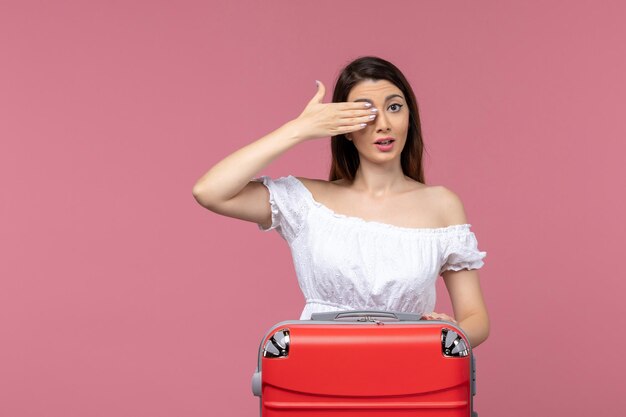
(229, 176)
(476, 327)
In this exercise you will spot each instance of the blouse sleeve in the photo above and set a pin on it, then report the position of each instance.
(287, 206)
(461, 252)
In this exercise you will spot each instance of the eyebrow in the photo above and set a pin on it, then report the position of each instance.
(389, 97)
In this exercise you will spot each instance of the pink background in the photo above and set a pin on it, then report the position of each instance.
(120, 296)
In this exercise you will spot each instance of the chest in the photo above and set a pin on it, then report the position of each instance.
(349, 251)
(411, 210)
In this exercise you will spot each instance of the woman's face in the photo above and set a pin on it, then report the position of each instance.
(383, 138)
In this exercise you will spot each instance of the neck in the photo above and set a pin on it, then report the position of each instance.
(378, 180)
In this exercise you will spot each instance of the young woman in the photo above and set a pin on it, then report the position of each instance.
(375, 236)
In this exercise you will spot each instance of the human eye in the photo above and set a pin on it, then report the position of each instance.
(395, 107)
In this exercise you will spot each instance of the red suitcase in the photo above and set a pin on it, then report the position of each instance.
(365, 363)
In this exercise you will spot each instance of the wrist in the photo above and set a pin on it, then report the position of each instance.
(293, 131)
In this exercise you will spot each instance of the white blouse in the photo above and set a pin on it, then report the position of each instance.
(347, 263)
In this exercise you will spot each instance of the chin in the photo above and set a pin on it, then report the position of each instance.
(383, 159)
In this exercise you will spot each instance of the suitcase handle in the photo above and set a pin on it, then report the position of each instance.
(365, 315)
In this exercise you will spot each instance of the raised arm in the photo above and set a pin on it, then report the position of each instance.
(226, 188)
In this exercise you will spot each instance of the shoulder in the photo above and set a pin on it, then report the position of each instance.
(312, 182)
(318, 187)
(449, 204)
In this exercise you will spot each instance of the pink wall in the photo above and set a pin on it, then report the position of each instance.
(120, 296)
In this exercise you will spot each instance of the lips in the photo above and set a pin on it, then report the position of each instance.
(384, 144)
(384, 141)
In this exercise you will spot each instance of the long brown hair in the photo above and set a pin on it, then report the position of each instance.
(345, 157)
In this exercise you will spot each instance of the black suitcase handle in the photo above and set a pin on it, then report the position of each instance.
(365, 315)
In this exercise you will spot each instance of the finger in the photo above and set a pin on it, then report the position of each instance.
(319, 95)
(345, 114)
(341, 130)
(352, 105)
(356, 120)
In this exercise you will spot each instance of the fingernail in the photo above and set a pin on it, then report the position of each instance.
(317, 83)
(366, 104)
(374, 110)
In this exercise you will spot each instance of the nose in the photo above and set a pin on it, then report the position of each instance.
(381, 122)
